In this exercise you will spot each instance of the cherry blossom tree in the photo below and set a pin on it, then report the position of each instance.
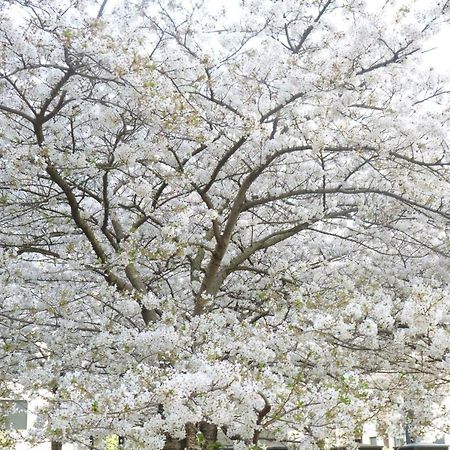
(223, 217)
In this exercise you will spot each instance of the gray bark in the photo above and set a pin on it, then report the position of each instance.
(56, 445)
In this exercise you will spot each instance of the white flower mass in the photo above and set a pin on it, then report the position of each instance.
(223, 218)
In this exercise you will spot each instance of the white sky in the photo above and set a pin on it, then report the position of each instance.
(439, 56)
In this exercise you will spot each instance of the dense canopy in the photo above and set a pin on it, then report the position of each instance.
(223, 216)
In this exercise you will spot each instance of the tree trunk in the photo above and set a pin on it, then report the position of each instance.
(209, 431)
(192, 443)
(173, 444)
(56, 445)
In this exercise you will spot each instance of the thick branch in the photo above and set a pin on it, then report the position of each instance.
(17, 112)
(227, 155)
(279, 107)
(309, 29)
(348, 191)
(397, 57)
(85, 228)
(211, 283)
(278, 236)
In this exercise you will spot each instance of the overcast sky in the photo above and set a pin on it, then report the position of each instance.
(439, 55)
